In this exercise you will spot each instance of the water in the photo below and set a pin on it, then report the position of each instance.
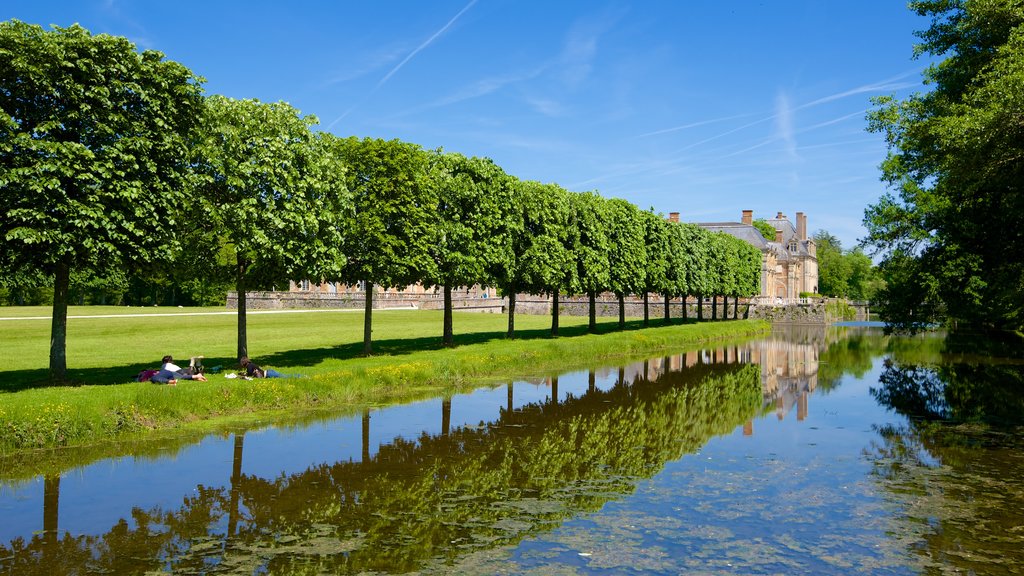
(810, 452)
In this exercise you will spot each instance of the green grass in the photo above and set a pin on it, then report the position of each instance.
(104, 354)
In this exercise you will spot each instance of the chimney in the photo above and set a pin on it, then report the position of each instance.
(673, 216)
(801, 226)
(780, 216)
(778, 236)
(748, 217)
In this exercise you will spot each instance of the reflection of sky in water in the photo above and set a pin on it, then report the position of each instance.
(796, 490)
(99, 495)
(774, 500)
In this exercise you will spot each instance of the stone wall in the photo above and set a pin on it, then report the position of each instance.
(356, 301)
(811, 313)
(607, 307)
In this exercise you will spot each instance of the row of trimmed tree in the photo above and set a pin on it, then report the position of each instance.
(115, 159)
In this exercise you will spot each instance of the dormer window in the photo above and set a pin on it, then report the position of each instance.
(792, 246)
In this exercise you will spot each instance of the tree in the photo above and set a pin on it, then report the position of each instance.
(93, 149)
(658, 252)
(275, 191)
(956, 161)
(833, 268)
(388, 232)
(592, 249)
(543, 257)
(627, 254)
(766, 229)
(468, 227)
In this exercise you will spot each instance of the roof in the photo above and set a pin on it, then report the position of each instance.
(744, 232)
(752, 235)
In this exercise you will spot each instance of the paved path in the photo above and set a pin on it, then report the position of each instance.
(231, 313)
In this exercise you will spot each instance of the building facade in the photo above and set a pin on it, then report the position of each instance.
(789, 262)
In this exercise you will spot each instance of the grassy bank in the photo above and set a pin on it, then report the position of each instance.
(105, 353)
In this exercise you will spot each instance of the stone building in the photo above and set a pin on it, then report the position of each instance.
(789, 262)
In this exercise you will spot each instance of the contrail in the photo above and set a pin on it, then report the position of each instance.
(411, 55)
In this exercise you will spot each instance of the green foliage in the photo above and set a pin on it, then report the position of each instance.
(840, 309)
(470, 225)
(955, 164)
(627, 254)
(766, 229)
(845, 274)
(387, 234)
(593, 245)
(93, 141)
(273, 191)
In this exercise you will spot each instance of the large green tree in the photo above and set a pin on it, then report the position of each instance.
(94, 138)
(834, 269)
(658, 249)
(541, 247)
(388, 233)
(592, 249)
(274, 190)
(950, 233)
(469, 228)
(627, 254)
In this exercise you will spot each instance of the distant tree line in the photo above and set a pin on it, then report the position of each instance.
(121, 181)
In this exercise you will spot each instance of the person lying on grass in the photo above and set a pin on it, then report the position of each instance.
(252, 370)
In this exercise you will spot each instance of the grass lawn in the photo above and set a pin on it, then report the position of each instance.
(105, 353)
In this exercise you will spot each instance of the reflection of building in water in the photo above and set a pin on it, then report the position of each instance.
(789, 373)
(788, 360)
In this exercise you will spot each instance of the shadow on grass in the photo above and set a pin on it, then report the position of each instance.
(19, 380)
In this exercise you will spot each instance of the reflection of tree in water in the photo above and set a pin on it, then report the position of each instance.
(955, 469)
(985, 393)
(438, 498)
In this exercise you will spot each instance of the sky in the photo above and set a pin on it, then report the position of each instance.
(700, 107)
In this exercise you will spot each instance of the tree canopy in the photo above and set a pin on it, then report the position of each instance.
(949, 232)
(274, 191)
(93, 151)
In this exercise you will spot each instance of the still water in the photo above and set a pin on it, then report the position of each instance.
(813, 451)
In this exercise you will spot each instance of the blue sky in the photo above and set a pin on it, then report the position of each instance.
(701, 107)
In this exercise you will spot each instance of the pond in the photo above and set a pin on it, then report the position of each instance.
(811, 451)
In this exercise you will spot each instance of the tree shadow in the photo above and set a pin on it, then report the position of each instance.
(19, 380)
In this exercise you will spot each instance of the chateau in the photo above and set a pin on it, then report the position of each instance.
(789, 263)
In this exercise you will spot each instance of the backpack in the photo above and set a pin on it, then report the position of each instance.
(145, 375)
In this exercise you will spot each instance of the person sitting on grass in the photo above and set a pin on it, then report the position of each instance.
(170, 373)
(252, 370)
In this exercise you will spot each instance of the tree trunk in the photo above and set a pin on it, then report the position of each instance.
(647, 313)
(714, 307)
(511, 315)
(59, 324)
(592, 326)
(554, 314)
(243, 339)
(685, 313)
(700, 307)
(368, 320)
(236, 483)
(51, 507)
(446, 416)
(366, 435)
(448, 338)
(668, 312)
(622, 311)
(735, 307)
